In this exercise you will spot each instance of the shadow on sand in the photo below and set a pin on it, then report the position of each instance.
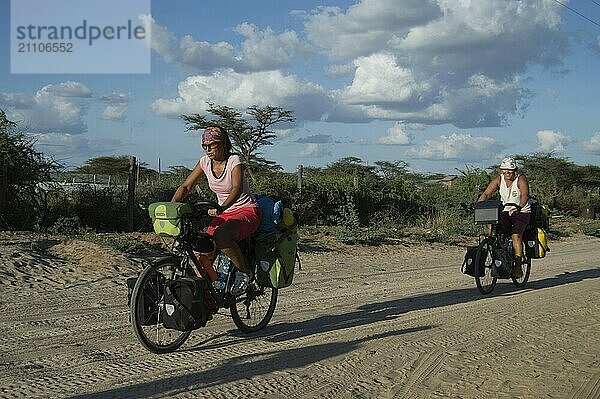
(247, 366)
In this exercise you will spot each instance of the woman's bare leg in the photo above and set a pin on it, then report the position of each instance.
(226, 237)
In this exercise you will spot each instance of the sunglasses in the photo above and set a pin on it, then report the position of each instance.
(210, 146)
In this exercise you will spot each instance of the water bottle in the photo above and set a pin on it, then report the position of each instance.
(207, 266)
(222, 264)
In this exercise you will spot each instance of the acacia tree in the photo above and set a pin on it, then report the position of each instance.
(115, 166)
(391, 170)
(247, 138)
(351, 166)
(21, 169)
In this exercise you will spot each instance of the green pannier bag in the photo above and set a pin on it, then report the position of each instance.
(166, 217)
(276, 258)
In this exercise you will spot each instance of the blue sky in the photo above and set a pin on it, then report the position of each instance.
(437, 84)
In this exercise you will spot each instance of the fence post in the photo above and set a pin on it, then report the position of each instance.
(3, 185)
(300, 180)
(159, 170)
(131, 194)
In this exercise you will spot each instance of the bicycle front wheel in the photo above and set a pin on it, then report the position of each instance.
(484, 280)
(253, 310)
(146, 301)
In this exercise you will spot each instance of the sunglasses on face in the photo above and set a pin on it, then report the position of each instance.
(210, 146)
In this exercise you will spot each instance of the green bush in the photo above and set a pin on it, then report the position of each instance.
(590, 227)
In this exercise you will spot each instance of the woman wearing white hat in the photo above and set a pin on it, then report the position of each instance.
(514, 188)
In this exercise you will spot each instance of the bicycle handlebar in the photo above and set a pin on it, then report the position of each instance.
(200, 208)
(513, 204)
(503, 205)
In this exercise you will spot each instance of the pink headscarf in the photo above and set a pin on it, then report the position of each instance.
(212, 134)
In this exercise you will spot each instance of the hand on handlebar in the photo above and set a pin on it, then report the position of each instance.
(205, 208)
(516, 208)
(216, 211)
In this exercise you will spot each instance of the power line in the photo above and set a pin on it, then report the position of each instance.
(595, 2)
(578, 13)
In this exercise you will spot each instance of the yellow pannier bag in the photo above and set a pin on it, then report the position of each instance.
(166, 217)
(288, 221)
(536, 243)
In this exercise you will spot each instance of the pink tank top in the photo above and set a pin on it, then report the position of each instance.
(222, 185)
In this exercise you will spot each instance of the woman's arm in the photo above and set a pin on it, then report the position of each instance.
(489, 191)
(188, 184)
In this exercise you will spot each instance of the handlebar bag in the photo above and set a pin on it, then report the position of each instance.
(487, 211)
(184, 308)
(166, 217)
(276, 259)
(469, 263)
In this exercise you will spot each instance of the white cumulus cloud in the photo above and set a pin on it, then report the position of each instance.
(260, 50)
(457, 146)
(266, 50)
(379, 80)
(54, 108)
(436, 62)
(116, 106)
(69, 145)
(552, 141)
(187, 51)
(367, 26)
(593, 144)
(396, 136)
(314, 150)
(309, 101)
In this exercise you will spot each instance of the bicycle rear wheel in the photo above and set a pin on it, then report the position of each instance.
(484, 280)
(526, 269)
(146, 301)
(253, 310)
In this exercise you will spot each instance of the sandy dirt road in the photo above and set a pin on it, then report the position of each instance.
(396, 321)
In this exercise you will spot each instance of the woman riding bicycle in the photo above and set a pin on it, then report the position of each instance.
(514, 188)
(238, 215)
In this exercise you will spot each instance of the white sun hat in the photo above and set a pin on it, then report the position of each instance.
(508, 164)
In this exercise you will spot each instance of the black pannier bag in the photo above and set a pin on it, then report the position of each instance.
(153, 291)
(502, 263)
(184, 308)
(469, 266)
(540, 215)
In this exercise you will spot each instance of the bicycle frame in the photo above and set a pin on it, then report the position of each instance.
(183, 249)
(250, 311)
(498, 239)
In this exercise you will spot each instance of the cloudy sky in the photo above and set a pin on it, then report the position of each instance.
(439, 84)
